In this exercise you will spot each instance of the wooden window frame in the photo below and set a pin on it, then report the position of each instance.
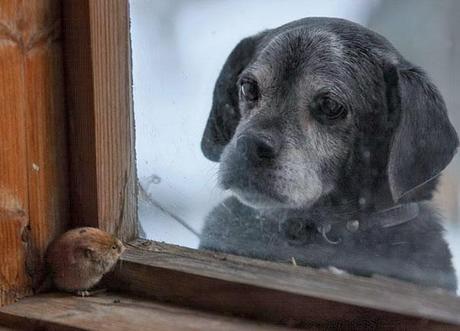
(33, 142)
(103, 193)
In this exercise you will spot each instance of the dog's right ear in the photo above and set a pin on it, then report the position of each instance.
(425, 141)
(225, 113)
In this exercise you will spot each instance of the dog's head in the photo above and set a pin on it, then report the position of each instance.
(323, 105)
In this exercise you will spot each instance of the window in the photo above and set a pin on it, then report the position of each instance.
(102, 182)
(187, 198)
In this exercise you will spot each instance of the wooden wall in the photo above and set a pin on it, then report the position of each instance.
(33, 158)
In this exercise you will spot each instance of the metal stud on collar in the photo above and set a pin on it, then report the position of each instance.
(352, 225)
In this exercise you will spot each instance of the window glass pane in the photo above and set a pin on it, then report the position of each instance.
(319, 143)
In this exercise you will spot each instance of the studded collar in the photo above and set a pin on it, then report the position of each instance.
(299, 231)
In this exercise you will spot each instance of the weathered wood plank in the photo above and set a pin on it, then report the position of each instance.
(33, 162)
(14, 218)
(99, 98)
(47, 161)
(114, 312)
(280, 293)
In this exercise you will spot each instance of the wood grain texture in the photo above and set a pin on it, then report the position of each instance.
(99, 99)
(281, 293)
(33, 160)
(114, 312)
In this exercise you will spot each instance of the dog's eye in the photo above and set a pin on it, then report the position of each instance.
(332, 109)
(249, 91)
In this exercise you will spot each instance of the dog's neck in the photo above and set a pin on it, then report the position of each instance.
(333, 215)
(334, 226)
(363, 209)
(342, 211)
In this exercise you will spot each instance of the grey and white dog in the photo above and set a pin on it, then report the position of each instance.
(331, 143)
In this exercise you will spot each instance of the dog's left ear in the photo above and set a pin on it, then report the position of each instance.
(424, 141)
(225, 113)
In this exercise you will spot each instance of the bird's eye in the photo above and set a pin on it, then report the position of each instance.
(249, 91)
(114, 247)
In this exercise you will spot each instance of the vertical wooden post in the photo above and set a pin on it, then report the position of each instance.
(99, 99)
(33, 159)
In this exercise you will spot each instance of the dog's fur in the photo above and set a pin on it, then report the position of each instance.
(284, 159)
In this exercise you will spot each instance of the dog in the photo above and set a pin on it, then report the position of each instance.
(331, 143)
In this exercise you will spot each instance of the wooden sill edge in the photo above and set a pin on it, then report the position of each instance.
(112, 312)
(250, 287)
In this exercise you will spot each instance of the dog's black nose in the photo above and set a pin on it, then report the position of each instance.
(257, 147)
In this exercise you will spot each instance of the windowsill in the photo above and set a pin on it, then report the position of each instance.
(279, 293)
(112, 312)
(210, 283)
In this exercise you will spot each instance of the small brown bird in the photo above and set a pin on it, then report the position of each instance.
(78, 259)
